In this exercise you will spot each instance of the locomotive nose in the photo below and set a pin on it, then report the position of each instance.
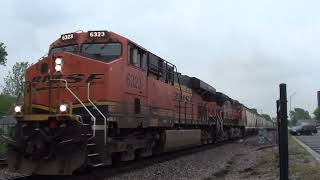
(36, 148)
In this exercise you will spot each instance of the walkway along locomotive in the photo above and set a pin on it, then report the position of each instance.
(99, 98)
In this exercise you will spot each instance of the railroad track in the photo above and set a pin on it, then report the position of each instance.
(102, 173)
(3, 162)
(6, 175)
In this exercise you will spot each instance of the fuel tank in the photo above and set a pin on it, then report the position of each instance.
(178, 139)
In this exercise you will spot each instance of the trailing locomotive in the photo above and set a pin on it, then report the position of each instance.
(99, 98)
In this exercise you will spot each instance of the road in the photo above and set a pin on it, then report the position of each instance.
(312, 142)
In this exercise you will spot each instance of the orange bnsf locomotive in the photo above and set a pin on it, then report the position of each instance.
(99, 98)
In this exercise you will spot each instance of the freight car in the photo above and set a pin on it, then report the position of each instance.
(99, 98)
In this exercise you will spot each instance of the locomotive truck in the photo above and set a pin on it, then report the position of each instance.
(99, 98)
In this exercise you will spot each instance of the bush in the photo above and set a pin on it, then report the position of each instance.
(6, 103)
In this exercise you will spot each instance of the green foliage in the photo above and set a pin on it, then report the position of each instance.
(14, 81)
(266, 116)
(3, 54)
(297, 114)
(317, 114)
(6, 102)
(3, 144)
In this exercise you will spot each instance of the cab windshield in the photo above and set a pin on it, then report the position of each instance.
(102, 51)
(71, 48)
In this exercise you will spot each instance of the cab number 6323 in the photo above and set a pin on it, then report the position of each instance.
(66, 37)
(94, 34)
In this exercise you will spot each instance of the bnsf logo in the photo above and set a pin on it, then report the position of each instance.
(72, 78)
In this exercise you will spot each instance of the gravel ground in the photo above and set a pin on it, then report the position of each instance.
(6, 174)
(238, 160)
(242, 159)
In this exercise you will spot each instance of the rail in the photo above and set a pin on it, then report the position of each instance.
(104, 117)
(84, 106)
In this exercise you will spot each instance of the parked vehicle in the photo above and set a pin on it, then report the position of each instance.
(303, 129)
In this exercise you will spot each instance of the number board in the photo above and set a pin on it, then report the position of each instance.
(97, 34)
(65, 37)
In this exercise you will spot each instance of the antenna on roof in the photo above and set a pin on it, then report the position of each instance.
(80, 30)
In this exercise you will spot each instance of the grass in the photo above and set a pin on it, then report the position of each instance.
(6, 102)
(3, 145)
(301, 164)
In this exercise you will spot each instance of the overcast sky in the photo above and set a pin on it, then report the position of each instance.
(243, 48)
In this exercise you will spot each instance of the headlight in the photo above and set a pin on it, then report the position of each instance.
(58, 67)
(63, 107)
(17, 109)
(58, 61)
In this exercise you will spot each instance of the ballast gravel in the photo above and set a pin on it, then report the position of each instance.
(231, 161)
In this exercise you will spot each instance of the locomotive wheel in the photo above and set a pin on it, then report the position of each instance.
(137, 154)
(116, 159)
(159, 147)
(84, 168)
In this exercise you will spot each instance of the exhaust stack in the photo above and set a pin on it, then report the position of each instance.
(318, 93)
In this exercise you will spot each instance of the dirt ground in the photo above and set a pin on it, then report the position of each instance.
(261, 162)
(256, 161)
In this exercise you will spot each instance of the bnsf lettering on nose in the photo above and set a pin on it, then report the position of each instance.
(71, 78)
(134, 81)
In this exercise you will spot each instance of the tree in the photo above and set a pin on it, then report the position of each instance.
(3, 54)
(254, 110)
(298, 114)
(6, 102)
(14, 81)
(317, 114)
(266, 116)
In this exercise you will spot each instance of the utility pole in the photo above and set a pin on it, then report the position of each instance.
(318, 95)
(290, 99)
(282, 116)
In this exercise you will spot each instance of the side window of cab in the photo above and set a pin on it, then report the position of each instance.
(137, 57)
